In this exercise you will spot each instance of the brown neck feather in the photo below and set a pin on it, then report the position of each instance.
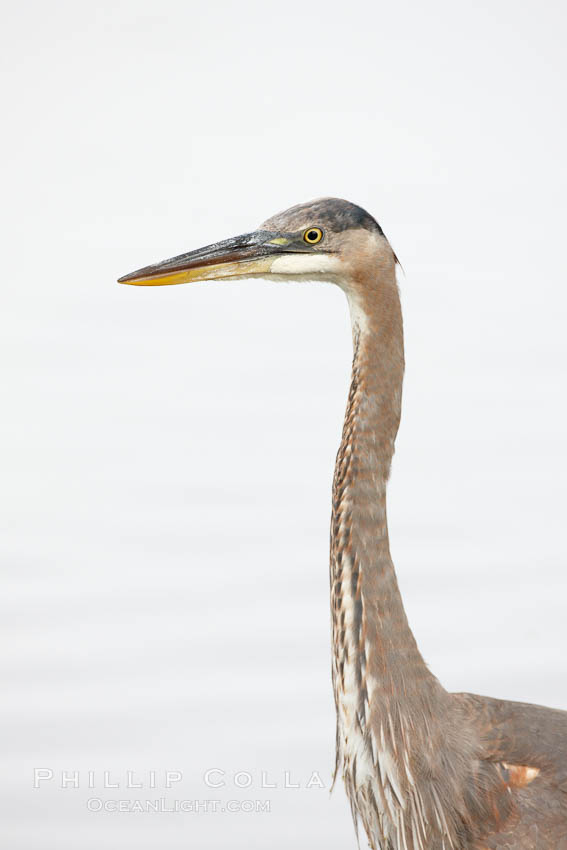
(395, 723)
(380, 639)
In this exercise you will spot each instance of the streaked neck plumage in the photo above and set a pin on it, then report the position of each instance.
(393, 716)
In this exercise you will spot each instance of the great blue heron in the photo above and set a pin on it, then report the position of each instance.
(423, 768)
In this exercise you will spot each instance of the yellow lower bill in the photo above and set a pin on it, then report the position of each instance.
(213, 272)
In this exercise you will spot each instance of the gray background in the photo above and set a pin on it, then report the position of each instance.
(167, 453)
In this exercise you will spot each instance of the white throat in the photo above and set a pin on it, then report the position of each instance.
(301, 266)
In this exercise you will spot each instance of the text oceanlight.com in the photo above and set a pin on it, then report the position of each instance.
(201, 807)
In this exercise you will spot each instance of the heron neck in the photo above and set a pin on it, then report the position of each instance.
(379, 673)
(399, 736)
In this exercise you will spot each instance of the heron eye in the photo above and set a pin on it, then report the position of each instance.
(313, 235)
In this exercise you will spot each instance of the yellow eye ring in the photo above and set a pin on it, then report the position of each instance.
(313, 235)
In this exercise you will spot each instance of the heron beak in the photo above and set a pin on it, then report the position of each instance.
(242, 256)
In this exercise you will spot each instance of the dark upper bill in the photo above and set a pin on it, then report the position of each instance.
(241, 256)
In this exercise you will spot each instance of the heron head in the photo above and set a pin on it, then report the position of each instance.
(326, 239)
